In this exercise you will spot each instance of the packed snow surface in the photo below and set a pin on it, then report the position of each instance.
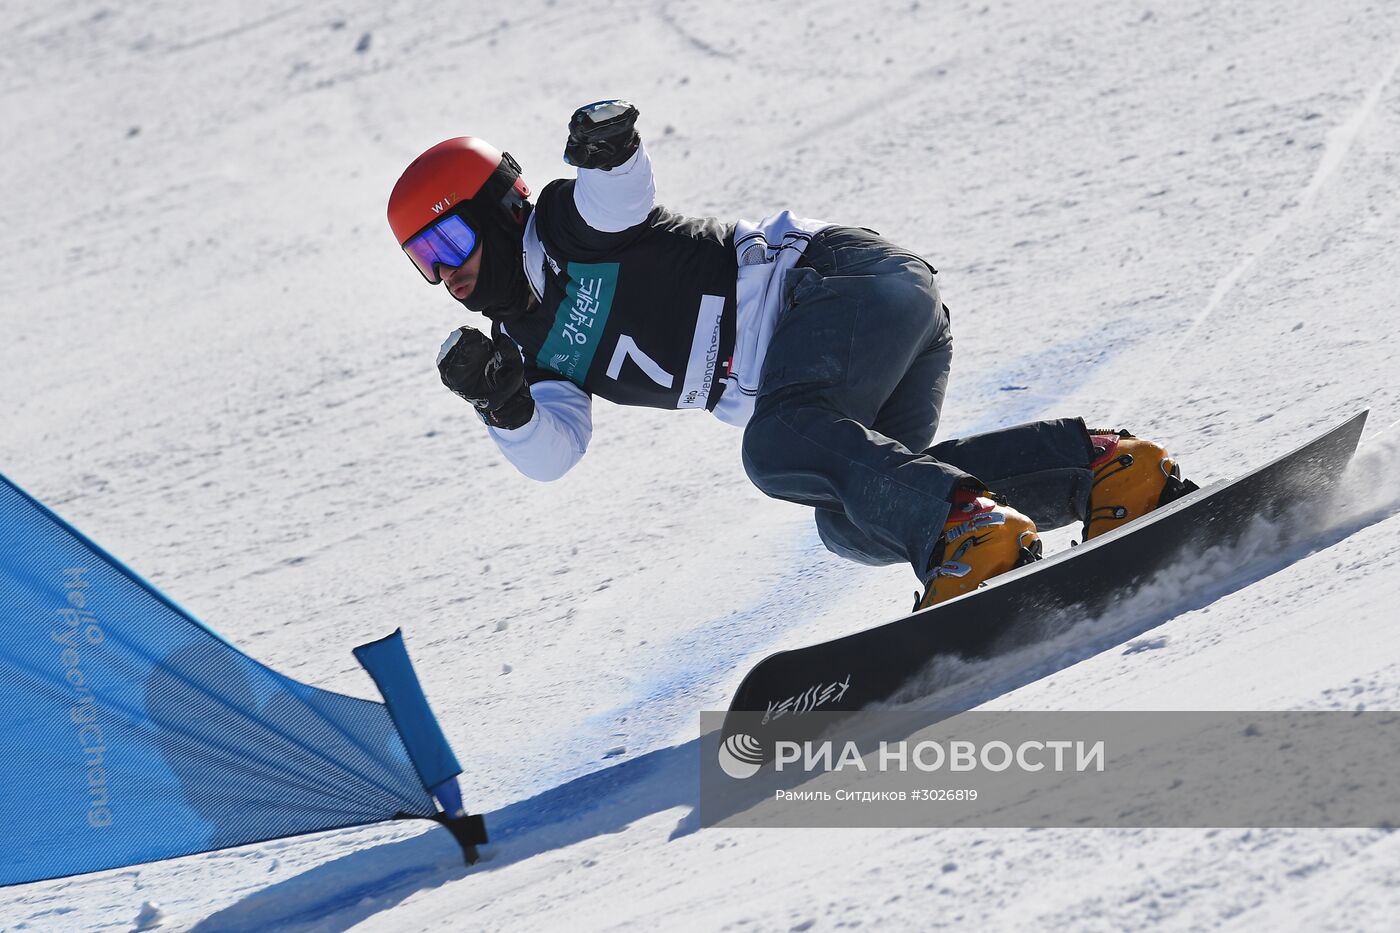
(1179, 218)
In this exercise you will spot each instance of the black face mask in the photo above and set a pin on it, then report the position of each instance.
(501, 291)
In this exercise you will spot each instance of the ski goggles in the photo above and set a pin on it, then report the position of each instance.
(448, 242)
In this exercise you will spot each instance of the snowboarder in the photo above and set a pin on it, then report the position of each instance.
(828, 344)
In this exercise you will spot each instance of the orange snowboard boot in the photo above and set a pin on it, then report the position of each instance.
(982, 537)
(1132, 477)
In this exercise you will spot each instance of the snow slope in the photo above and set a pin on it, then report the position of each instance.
(1181, 218)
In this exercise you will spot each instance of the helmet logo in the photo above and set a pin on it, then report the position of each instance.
(445, 203)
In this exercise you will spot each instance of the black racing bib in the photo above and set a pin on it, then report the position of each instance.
(642, 317)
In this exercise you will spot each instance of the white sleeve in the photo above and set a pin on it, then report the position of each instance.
(611, 200)
(557, 434)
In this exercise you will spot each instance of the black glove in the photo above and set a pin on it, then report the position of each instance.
(602, 135)
(489, 375)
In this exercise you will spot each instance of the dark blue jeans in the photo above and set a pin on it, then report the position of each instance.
(849, 401)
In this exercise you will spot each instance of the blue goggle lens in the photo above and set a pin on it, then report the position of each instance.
(448, 242)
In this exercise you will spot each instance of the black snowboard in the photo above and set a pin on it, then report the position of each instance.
(870, 666)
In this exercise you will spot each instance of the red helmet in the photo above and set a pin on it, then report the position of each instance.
(462, 173)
